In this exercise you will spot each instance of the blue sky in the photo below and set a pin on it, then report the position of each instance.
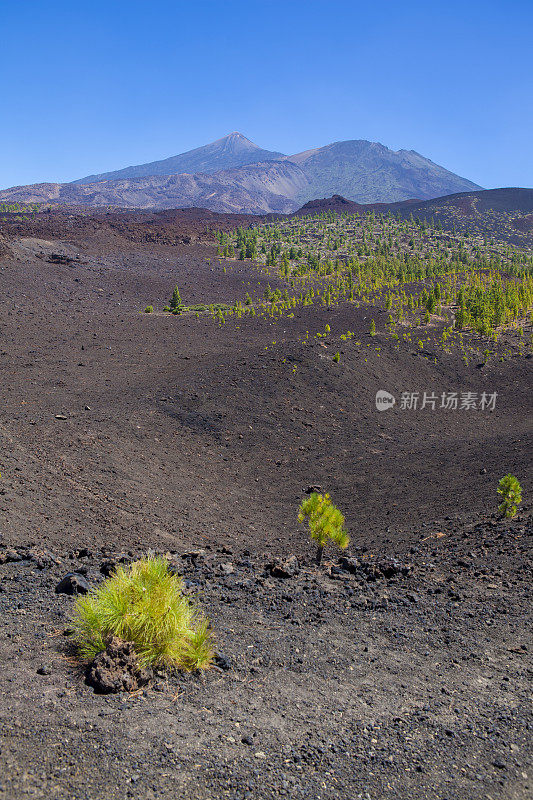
(91, 87)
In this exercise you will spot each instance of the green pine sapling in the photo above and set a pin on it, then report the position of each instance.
(326, 523)
(175, 301)
(511, 494)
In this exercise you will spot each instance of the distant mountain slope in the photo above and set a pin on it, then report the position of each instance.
(369, 172)
(507, 200)
(505, 214)
(252, 189)
(234, 170)
(234, 150)
(341, 205)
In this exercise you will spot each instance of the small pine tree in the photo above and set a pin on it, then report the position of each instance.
(511, 494)
(326, 523)
(372, 328)
(175, 301)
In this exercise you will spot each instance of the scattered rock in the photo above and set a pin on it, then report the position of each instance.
(385, 568)
(72, 583)
(351, 565)
(61, 416)
(390, 567)
(314, 488)
(44, 670)
(226, 568)
(10, 556)
(116, 669)
(287, 568)
(222, 662)
(108, 566)
(194, 555)
(337, 572)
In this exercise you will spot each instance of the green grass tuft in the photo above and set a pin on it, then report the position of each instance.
(144, 604)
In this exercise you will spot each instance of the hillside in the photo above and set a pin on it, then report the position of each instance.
(252, 189)
(341, 205)
(368, 172)
(506, 214)
(197, 434)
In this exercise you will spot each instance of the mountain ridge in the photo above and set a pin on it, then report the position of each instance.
(233, 174)
(261, 188)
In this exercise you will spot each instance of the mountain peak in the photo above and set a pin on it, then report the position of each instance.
(235, 142)
(232, 150)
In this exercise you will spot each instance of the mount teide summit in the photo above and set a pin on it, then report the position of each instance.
(233, 174)
(233, 150)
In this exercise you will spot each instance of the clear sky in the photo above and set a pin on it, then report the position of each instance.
(89, 87)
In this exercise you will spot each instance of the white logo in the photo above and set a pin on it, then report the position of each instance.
(384, 400)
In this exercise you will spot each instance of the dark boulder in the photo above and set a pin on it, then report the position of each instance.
(116, 669)
(73, 583)
(284, 568)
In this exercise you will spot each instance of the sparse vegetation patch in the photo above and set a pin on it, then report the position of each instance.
(145, 604)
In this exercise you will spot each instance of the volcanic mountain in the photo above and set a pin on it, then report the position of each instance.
(233, 174)
(369, 172)
(233, 150)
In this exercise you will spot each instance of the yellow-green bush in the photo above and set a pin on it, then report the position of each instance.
(144, 604)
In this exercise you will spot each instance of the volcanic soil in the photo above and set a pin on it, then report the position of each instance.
(400, 672)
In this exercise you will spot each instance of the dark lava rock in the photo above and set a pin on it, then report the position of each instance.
(389, 567)
(116, 669)
(10, 556)
(108, 566)
(348, 564)
(315, 488)
(73, 583)
(385, 568)
(222, 662)
(287, 568)
(42, 558)
(44, 670)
